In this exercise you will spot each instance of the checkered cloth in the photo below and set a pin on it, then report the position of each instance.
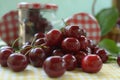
(89, 23)
(9, 27)
(109, 71)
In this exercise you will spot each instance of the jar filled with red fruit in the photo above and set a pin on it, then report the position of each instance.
(34, 18)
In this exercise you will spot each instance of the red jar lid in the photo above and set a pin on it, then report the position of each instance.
(26, 5)
(9, 27)
(49, 6)
(89, 23)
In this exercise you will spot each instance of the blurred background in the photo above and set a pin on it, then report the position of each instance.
(106, 16)
(66, 7)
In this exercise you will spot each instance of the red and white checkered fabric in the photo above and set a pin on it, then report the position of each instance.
(9, 27)
(89, 23)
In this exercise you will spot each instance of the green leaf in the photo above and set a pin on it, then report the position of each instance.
(109, 45)
(107, 19)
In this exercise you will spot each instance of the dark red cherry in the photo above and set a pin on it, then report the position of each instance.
(47, 49)
(102, 54)
(71, 44)
(4, 54)
(17, 62)
(39, 35)
(39, 41)
(53, 37)
(91, 63)
(25, 49)
(94, 49)
(7, 47)
(73, 31)
(37, 57)
(70, 62)
(58, 52)
(79, 56)
(88, 50)
(83, 42)
(54, 66)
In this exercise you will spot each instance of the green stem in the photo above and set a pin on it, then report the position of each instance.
(15, 42)
(64, 22)
(32, 48)
(28, 51)
(34, 38)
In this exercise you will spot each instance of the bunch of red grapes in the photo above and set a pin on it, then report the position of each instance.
(56, 51)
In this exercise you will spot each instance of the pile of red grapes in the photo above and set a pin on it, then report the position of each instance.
(56, 51)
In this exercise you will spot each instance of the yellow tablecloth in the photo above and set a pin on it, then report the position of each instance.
(109, 71)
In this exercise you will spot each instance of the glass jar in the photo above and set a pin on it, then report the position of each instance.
(49, 13)
(52, 8)
(34, 18)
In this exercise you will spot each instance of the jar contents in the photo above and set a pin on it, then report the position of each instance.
(35, 23)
